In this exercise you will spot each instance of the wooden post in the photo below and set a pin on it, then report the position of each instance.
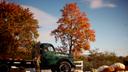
(38, 64)
(36, 56)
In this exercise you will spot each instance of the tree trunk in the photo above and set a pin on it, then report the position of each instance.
(36, 56)
(70, 46)
(37, 59)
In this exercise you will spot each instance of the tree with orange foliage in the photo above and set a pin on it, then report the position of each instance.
(74, 29)
(18, 28)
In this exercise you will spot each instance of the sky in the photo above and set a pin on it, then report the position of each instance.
(109, 19)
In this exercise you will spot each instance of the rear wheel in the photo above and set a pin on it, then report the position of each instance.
(64, 66)
(4, 68)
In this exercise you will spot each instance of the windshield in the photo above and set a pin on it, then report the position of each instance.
(47, 47)
(50, 48)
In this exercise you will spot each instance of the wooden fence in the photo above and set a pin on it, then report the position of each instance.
(79, 66)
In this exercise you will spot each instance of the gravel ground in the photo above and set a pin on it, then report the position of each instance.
(33, 70)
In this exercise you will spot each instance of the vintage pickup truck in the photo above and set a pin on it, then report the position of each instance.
(49, 59)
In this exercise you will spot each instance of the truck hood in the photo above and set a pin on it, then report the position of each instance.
(62, 54)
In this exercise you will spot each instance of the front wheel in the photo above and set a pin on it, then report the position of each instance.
(64, 66)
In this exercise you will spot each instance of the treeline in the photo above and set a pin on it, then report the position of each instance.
(96, 59)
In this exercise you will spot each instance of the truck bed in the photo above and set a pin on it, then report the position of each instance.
(18, 63)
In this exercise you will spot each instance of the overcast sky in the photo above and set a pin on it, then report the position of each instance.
(109, 18)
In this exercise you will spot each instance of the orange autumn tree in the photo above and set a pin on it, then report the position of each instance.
(18, 28)
(73, 29)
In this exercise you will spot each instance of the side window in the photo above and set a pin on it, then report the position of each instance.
(50, 48)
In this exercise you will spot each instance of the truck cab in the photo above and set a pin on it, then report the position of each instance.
(57, 61)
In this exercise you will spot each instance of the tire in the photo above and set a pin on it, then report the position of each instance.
(4, 68)
(53, 69)
(64, 66)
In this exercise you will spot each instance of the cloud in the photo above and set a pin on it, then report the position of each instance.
(46, 22)
(99, 4)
